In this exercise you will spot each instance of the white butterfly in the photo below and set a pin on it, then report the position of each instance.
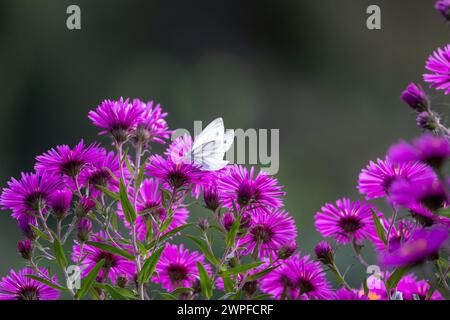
(209, 147)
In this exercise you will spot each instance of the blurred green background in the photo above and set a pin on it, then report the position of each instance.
(310, 68)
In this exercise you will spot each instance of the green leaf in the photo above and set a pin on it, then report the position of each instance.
(129, 167)
(166, 222)
(117, 293)
(39, 233)
(263, 297)
(88, 282)
(244, 268)
(47, 282)
(205, 281)
(395, 277)
(379, 228)
(127, 207)
(140, 176)
(444, 212)
(168, 296)
(111, 249)
(149, 266)
(231, 235)
(181, 290)
(205, 249)
(111, 174)
(59, 253)
(366, 288)
(235, 210)
(261, 274)
(169, 234)
(108, 192)
(227, 283)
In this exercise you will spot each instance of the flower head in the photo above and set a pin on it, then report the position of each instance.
(429, 149)
(443, 6)
(439, 66)
(99, 173)
(400, 232)
(297, 278)
(84, 229)
(415, 97)
(60, 202)
(346, 294)
(17, 286)
(66, 161)
(89, 256)
(346, 221)
(151, 126)
(175, 175)
(376, 180)
(412, 289)
(422, 245)
(248, 190)
(29, 194)
(151, 211)
(324, 252)
(268, 232)
(177, 267)
(25, 248)
(118, 118)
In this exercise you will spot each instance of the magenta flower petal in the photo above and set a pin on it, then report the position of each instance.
(439, 66)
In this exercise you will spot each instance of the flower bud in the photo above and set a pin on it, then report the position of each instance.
(287, 250)
(25, 248)
(84, 229)
(443, 6)
(324, 253)
(227, 221)
(25, 226)
(84, 206)
(415, 97)
(426, 121)
(250, 288)
(203, 224)
(60, 202)
(122, 281)
(211, 198)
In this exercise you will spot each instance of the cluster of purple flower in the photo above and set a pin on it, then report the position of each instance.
(120, 217)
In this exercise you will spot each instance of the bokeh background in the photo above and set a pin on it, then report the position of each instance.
(309, 68)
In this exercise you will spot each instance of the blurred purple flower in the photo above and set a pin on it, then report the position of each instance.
(439, 64)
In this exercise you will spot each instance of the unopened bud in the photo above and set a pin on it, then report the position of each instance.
(25, 248)
(324, 253)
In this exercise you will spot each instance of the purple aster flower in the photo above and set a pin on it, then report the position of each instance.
(84, 229)
(346, 221)
(25, 248)
(268, 231)
(211, 195)
(415, 97)
(177, 267)
(439, 64)
(17, 286)
(429, 149)
(29, 194)
(85, 205)
(443, 6)
(24, 222)
(65, 161)
(422, 245)
(426, 217)
(118, 118)
(400, 232)
(248, 190)
(426, 121)
(152, 126)
(175, 175)
(114, 265)
(324, 252)
(287, 249)
(413, 289)
(376, 180)
(428, 193)
(60, 202)
(297, 278)
(151, 212)
(346, 294)
(99, 173)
